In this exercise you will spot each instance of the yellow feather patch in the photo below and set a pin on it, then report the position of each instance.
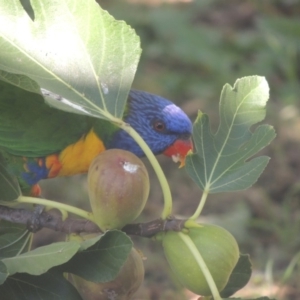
(76, 158)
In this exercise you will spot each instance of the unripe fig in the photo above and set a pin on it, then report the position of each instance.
(122, 287)
(118, 186)
(218, 249)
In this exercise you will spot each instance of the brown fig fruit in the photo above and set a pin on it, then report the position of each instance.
(122, 287)
(118, 186)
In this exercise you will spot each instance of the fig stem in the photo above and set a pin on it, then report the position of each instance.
(210, 281)
(167, 211)
(202, 202)
(60, 206)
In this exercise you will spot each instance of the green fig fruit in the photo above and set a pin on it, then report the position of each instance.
(122, 287)
(218, 249)
(118, 187)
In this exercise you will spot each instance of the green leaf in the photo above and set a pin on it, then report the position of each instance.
(13, 239)
(9, 186)
(221, 162)
(48, 286)
(3, 272)
(103, 261)
(73, 49)
(21, 81)
(30, 85)
(239, 277)
(40, 260)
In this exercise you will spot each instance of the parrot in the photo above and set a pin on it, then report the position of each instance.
(38, 141)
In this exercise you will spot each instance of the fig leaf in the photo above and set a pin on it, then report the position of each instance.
(221, 163)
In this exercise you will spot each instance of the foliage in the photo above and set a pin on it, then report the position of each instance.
(190, 49)
(220, 162)
(215, 43)
(43, 51)
(89, 95)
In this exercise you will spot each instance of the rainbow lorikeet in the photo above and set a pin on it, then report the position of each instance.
(39, 142)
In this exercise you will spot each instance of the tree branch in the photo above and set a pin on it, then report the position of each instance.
(53, 220)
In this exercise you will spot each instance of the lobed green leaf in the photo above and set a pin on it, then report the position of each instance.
(221, 162)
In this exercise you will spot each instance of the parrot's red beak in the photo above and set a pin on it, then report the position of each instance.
(179, 150)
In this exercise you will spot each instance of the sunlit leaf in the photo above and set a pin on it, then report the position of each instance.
(73, 49)
(40, 260)
(221, 162)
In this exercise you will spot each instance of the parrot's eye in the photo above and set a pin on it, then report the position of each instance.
(159, 126)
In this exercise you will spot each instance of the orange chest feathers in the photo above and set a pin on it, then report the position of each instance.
(75, 158)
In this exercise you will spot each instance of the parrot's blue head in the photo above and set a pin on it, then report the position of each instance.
(163, 125)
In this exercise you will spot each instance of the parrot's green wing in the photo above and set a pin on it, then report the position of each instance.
(31, 128)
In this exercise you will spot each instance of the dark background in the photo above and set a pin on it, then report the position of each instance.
(190, 50)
